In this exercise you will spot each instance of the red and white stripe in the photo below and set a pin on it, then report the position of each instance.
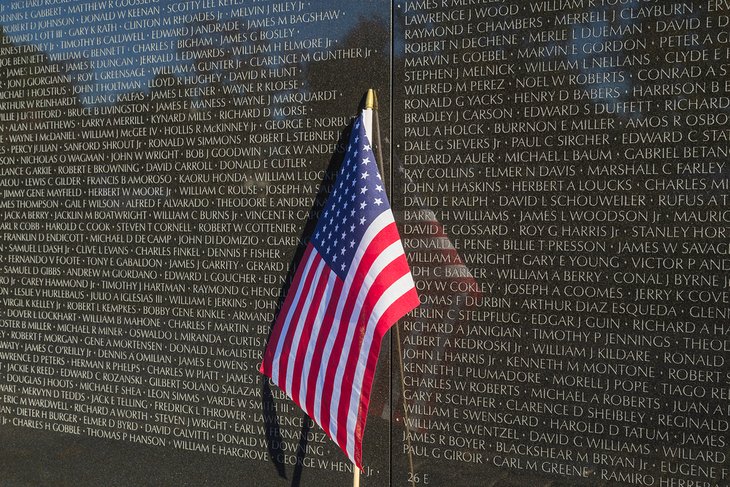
(327, 337)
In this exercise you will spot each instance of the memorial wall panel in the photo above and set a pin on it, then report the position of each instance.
(161, 163)
(562, 178)
(558, 170)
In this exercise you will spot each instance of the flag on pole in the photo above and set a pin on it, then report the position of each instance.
(352, 284)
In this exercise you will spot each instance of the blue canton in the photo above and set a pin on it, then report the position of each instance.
(357, 199)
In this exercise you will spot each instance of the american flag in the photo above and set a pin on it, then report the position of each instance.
(352, 285)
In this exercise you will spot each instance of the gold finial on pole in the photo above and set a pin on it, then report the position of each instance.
(371, 101)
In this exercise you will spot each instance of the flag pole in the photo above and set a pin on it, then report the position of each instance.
(371, 103)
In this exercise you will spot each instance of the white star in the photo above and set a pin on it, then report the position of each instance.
(362, 221)
(377, 175)
(342, 252)
(352, 212)
(352, 243)
(365, 175)
(357, 138)
(334, 259)
(352, 198)
(357, 124)
(365, 160)
(363, 190)
(378, 201)
(342, 267)
(379, 187)
(363, 205)
(329, 236)
(366, 148)
(337, 227)
(343, 235)
(352, 228)
(328, 250)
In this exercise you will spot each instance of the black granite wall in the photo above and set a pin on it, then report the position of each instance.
(558, 171)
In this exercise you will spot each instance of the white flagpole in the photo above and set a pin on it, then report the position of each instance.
(371, 104)
(367, 117)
